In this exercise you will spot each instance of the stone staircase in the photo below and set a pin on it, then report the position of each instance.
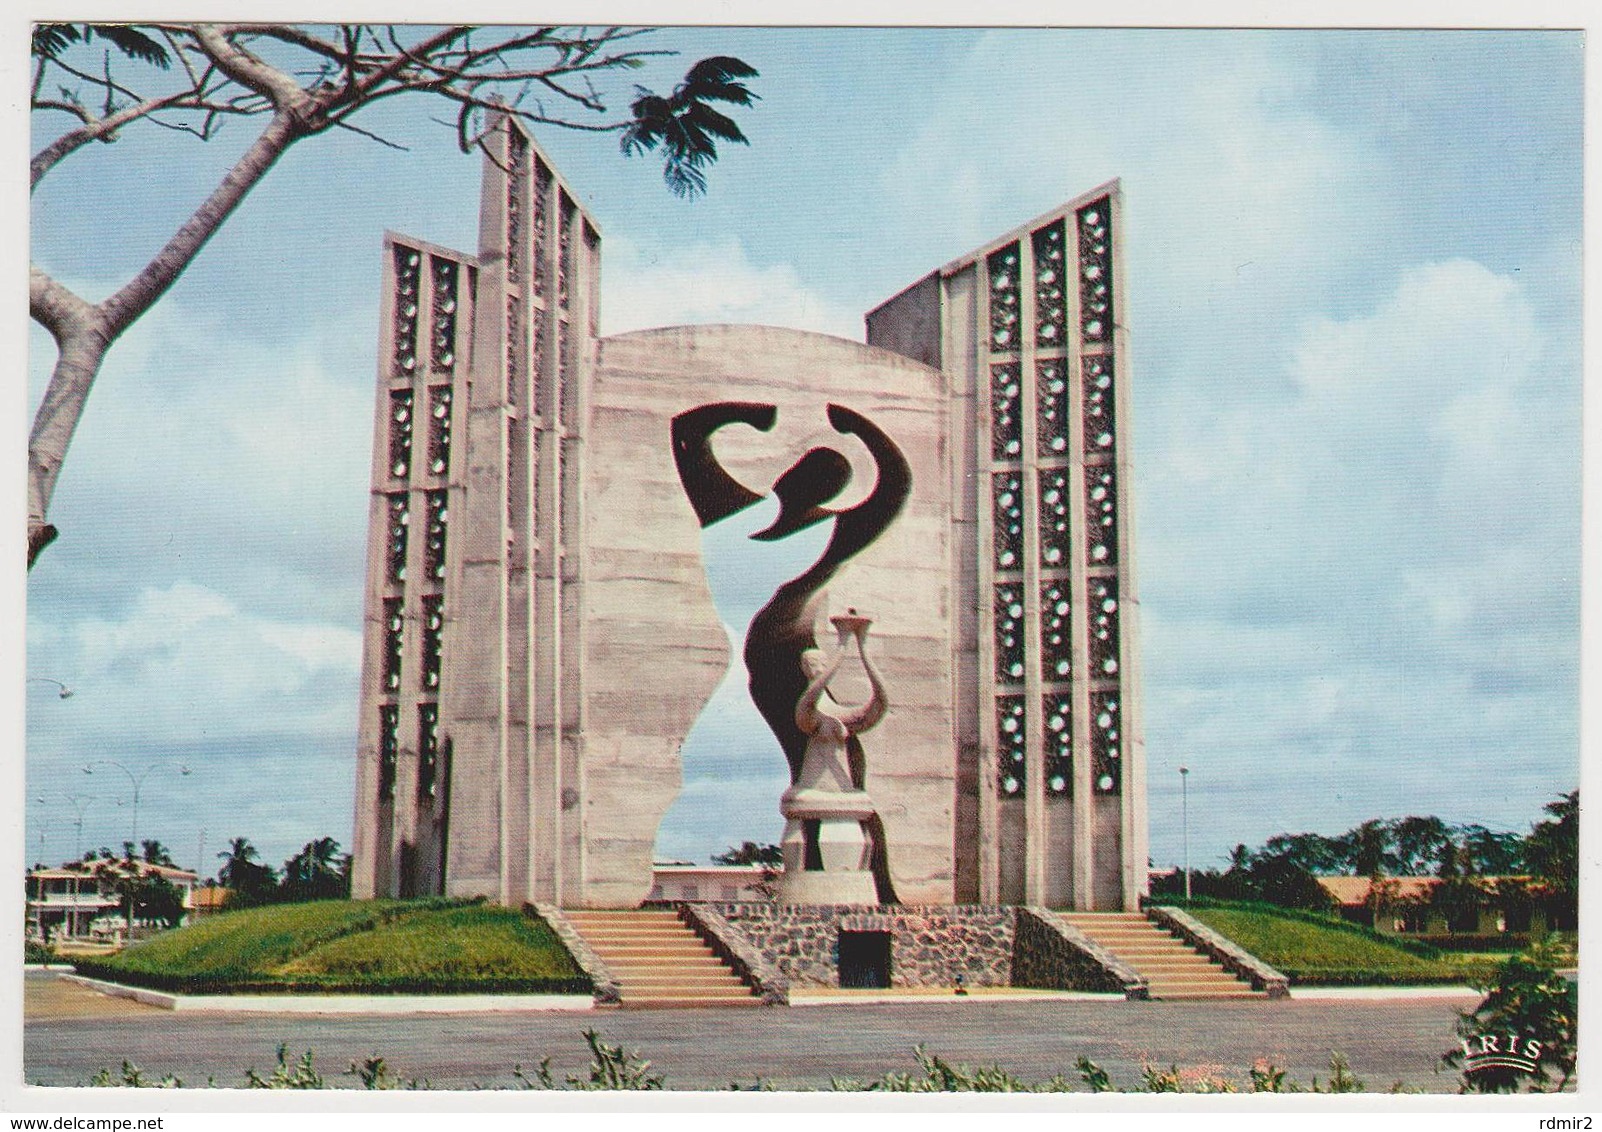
(658, 960)
(1172, 968)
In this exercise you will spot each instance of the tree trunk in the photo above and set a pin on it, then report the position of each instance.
(82, 347)
(84, 333)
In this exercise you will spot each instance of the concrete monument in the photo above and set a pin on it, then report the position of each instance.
(540, 636)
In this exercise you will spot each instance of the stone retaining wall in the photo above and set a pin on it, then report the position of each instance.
(607, 991)
(735, 948)
(1051, 953)
(1234, 958)
(930, 946)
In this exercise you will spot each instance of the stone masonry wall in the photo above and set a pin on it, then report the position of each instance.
(930, 946)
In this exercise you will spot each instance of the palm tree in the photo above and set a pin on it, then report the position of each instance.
(315, 872)
(684, 125)
(253, 883)
(155, 853)
(239, 854)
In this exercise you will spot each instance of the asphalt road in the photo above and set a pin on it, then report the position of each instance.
(69, 1034)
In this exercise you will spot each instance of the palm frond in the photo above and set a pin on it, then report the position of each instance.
(132, 43)
(711, 122)
(683, 180)
(50, 40)
(714, 79)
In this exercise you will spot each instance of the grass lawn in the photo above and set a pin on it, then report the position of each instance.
(363, 946)
(1335, 953)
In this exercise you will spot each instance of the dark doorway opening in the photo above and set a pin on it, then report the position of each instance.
(864, 959)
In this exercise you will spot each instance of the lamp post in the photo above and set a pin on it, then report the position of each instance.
(43, 814)
(63, 692)
(137, 781)
(80, 803)
(1184, 821)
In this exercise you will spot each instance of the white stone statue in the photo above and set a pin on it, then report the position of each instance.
(826, 849)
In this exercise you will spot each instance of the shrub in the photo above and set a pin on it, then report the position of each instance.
(611, 1067)
(301, 1075)
(940, 1076)
(1531, 1001)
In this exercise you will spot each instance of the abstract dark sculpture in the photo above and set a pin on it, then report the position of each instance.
(783, 629)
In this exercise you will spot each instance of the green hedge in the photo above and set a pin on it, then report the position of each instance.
(211, 984)
(434, 945)
(1502, 941)
(33, 952)
(1375, 977)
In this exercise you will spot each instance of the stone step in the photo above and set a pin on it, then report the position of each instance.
(664, 952)
(691, 1002)
(650, 917)
(664, 983)
(659, 961)
(1103, 917)
(1172, 985)
(1170, 965)
(1155, 950)
(627, 971)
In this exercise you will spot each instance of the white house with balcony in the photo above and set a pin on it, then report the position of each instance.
(78, 901)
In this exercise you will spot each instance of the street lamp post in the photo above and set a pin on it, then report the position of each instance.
(1184, 821)
(137, 781)
(43, 816)
(62, 691)
(80, 804)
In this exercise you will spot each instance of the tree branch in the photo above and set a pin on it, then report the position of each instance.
(103, 129)
(121, 309)
(250, 72)
(53, 306)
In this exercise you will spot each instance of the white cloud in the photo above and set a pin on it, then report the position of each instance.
(186, 664)
(1365, 584)
(1233, 180)
(710, 283)
(211, 454)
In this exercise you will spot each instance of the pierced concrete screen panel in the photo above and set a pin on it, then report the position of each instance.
(408, 273)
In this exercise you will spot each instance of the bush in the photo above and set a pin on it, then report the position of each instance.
(35, 952)
(1529, 1001)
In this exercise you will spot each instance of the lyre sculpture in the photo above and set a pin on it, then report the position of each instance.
(827, 852)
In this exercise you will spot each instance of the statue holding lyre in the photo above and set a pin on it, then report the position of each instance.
(827, 851)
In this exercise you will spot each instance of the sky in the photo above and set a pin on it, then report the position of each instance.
(1353, 282)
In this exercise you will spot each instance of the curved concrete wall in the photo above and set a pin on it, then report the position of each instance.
(655, 649)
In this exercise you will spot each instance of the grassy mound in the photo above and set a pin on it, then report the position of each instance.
(365, 947)
(1318, 951)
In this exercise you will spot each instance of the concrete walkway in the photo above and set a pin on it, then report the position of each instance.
(71, 1032)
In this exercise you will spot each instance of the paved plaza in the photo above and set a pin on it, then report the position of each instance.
(71, 1032)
